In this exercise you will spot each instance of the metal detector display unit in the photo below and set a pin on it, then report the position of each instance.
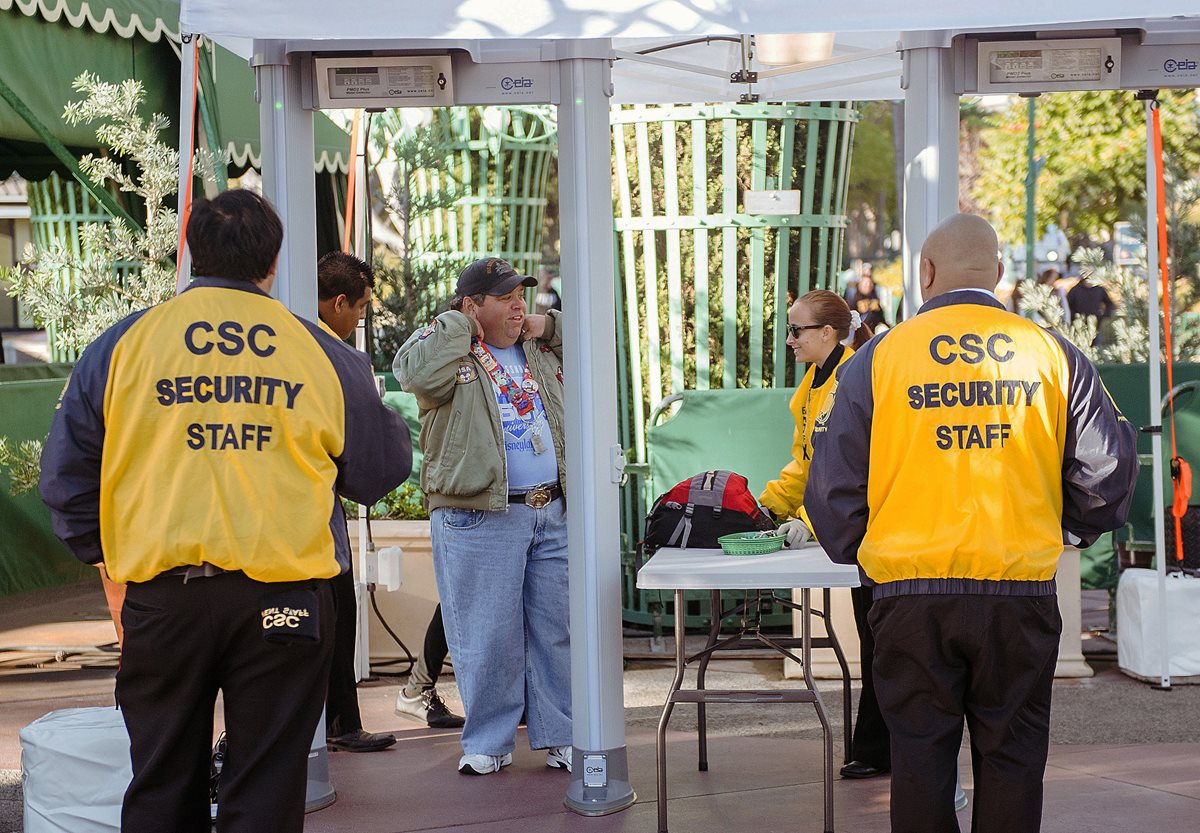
(424, 81)
(1042, 66)
(1126, 61)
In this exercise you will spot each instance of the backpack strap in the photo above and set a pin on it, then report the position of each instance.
(708, 489)
(683, 528)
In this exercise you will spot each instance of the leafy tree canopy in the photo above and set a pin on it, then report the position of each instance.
(1094, 146)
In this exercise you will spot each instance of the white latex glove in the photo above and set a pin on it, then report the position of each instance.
(797, 533)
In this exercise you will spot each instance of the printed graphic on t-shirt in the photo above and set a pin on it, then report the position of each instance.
(526, 466)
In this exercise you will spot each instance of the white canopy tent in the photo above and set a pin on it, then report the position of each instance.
(902, 51)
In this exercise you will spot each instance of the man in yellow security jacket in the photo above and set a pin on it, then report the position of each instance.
(962, 449)
(198, 451)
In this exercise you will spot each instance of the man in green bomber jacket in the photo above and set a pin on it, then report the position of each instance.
(488, 380)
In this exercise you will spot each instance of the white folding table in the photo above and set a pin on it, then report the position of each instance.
(805, 568)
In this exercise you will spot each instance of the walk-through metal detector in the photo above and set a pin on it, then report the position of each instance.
(941, 66)
(295, 78)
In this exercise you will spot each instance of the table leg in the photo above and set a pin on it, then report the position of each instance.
(847, 721)
(661, 743)
(701, 712)
(806, 655)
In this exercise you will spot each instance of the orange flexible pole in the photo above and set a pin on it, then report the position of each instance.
(351, 185)
(1180, 471)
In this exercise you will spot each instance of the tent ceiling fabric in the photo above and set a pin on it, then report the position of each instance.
(371, 19)
(636, 24)
(45, 86)
(118, 39)
(876, 77)
(152, 19)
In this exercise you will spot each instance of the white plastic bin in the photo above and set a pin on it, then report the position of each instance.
(1139, 640)
(75, 765)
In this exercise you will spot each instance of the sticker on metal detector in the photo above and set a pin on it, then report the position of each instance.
(595, 770)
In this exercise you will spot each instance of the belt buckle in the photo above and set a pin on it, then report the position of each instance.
(537, 498)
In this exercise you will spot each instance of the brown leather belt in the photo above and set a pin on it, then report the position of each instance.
(537, 497)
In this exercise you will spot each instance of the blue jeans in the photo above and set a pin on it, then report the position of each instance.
(502, 577)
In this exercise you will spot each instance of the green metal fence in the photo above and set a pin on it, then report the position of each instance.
(499, 158)
(59, 208)
(703, 286)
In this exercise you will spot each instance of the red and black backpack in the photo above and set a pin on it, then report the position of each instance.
(701, 509)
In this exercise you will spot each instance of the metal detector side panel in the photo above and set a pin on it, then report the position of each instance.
(1159, 66)
(530, 82)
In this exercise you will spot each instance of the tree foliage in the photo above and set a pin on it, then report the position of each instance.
(1094, 146)
(120, 270)
(1126, 336)
(23, 462)
(411, 259)
(872, 176)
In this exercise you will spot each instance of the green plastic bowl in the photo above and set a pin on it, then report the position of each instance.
(751, 543)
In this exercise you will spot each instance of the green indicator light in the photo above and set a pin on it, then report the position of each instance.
(278, 105)
(579, 102)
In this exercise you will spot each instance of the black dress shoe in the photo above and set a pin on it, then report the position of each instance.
(857, 769)
(360, 741)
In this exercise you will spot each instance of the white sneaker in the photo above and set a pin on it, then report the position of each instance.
(427, 707)
(483, 764)
(559, 757)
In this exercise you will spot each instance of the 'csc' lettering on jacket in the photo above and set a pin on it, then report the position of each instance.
(215, 428)
(961, 447)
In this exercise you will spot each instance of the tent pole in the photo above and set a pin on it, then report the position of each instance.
(290, 185)
(1156, 446)
(600, 768)
(187, 150)
(287, 172)
(357, 225)
(206, 104)
(930, 148)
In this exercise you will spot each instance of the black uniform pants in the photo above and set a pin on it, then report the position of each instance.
(428, 666)
(870, 743)
(989, 659)
(183, 643)
(341, 705)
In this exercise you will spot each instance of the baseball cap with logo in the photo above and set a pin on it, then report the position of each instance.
(490, 276)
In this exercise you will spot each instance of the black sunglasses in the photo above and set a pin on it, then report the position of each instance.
(794, 330)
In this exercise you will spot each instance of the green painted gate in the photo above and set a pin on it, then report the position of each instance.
(702, 286)
(499, 159)
(59, 208)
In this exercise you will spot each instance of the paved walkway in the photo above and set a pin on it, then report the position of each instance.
(1123, 757)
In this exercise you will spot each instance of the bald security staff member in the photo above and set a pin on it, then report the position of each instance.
(198, 450)
(962, 449)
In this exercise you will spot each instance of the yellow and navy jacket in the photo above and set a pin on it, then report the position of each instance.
(785, 494)
(218, 428)
(961, 448)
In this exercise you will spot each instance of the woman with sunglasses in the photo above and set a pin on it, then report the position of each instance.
(823, 332)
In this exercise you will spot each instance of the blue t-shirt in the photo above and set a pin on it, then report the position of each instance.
(526, 468)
